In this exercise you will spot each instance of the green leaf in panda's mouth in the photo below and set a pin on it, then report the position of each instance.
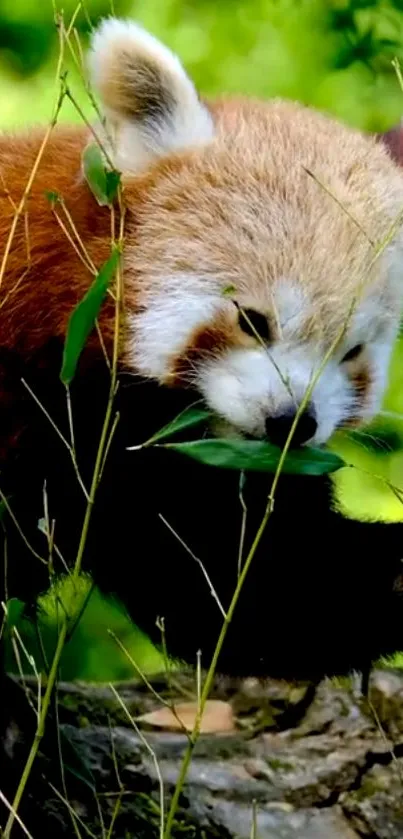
(258, 456)
(241, 454)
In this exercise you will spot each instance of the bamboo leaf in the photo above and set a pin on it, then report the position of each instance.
(83, 317)
(103, 182)
(186, 419)
(258, 456)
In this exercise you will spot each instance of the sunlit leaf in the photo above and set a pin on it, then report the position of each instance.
(258, 456)
(83, 317)
(380, 440)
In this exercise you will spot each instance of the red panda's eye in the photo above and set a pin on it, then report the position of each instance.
(254, 323)
(352, 354)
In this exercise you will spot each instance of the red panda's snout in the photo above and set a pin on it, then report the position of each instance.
(256, 373)
(281, 426)
(259, 392)
(255, 246)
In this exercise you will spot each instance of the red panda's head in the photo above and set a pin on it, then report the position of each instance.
(257, 229)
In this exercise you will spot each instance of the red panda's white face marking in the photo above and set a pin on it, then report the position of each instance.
(163, 326)
(227, 218)
(199, 339)
(249, 386)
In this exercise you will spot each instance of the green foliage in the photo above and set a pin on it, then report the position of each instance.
(84, 316)
(258, 456)
(28, 33)
(333, 54)
(91, 651)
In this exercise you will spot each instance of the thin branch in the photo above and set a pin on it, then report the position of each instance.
(21, 206)
(243, 521)
(165, 702)
(72, 812)
(198, 561)
(151, 753)
(13, 518)
(15, 815)
(65, 442)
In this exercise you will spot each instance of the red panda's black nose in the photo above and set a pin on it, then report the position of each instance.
(279, 426)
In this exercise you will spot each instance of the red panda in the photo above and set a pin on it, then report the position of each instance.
(288, 209)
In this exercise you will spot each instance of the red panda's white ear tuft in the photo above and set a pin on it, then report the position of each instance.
(150, 102)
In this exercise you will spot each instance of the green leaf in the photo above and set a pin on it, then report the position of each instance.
(383, 441)
(229, 291)
(112, 185)
(83, 317)
(258, 456)
(186, 419)
(15, 611)
(103, 182)
(52, 197)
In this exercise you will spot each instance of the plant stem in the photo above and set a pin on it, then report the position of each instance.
(211, 672)
(99, 461)
(40, 728)
(241, 579)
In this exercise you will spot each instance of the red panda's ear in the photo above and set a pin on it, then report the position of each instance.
(149, 101)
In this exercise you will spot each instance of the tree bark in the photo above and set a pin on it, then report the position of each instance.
(277, 767)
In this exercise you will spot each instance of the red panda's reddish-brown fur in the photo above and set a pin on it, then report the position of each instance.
(44, 278)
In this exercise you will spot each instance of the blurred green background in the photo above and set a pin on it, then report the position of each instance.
(333, 54)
